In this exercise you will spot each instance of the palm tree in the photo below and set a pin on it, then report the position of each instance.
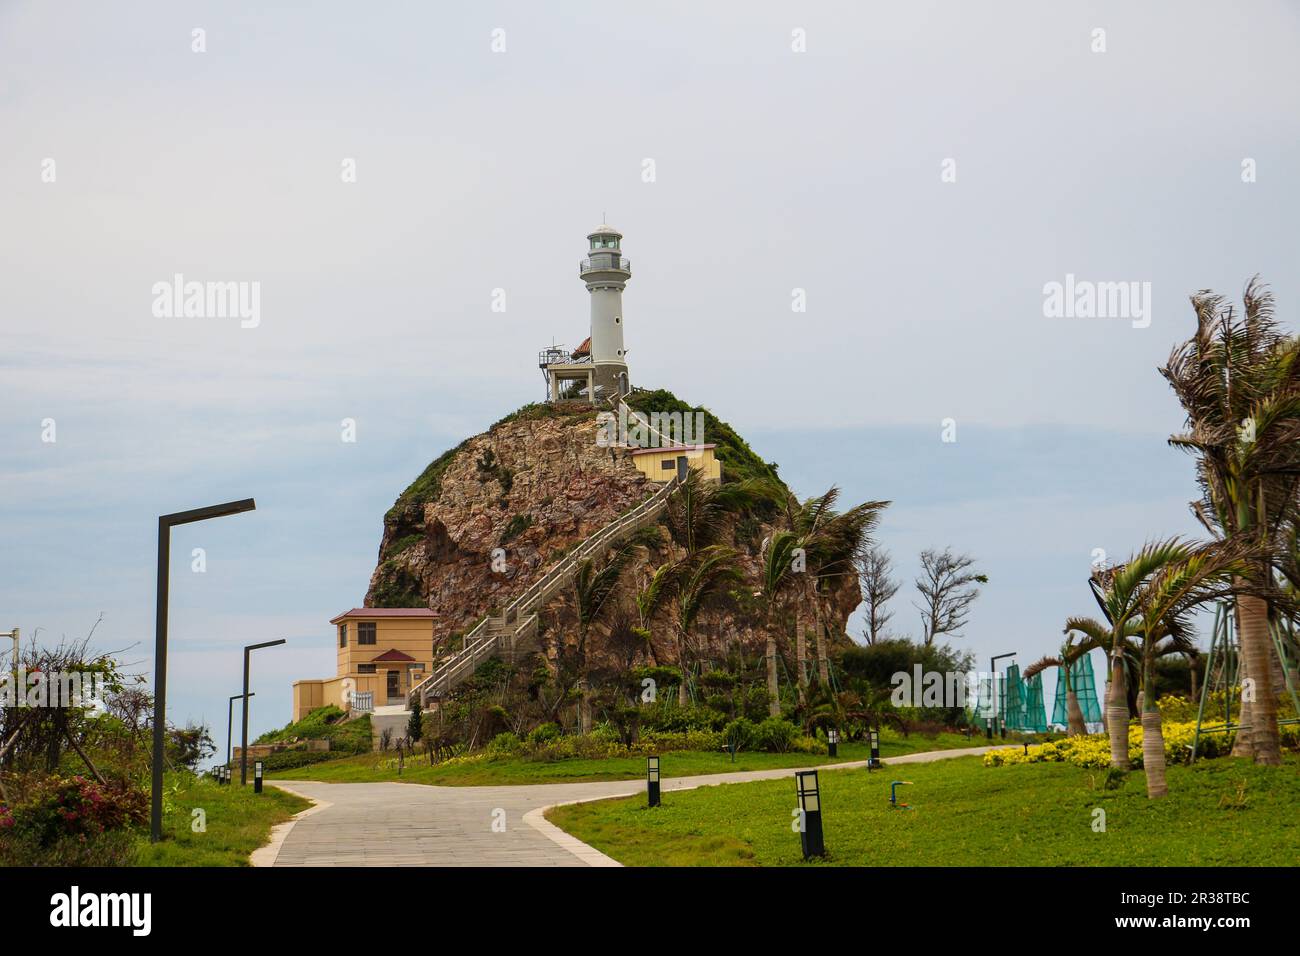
(699, 510)
(1186, 577)
(1069, 655)
(700, 580)
(595, 581)
(828, 543)
(1121, 657)
(777, 576)
(653, 598)
(1238, 380)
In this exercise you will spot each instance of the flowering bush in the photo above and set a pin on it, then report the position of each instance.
(1093, 751)
(58, 807)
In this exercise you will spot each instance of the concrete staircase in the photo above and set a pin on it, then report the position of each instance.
(515, 630)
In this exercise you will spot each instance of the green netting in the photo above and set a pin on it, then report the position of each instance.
(981, 709)
(1035, 713)
(1012, 696)
(1084, 687)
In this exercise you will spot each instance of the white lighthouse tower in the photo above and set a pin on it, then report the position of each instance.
(601, 361)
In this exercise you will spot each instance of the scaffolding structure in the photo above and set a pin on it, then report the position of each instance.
(1223, 672)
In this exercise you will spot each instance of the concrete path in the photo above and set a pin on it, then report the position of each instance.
(403, 824)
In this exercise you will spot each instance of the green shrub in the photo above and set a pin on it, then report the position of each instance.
(544, 734)
(292, 759)
(739, 734)
(505, 744)
(775, 735)
(683, 719)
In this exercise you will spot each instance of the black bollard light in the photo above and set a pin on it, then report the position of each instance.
(833, 742)
(257, 776)
(874, 762)
(810, 807)
(652, 780)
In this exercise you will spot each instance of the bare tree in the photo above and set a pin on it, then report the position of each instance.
(874, 570)
(948, 585)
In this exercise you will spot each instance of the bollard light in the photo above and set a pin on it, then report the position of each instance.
(652, 780)
(833, 742)
(874, 762)
(810, 806)
(257, 776)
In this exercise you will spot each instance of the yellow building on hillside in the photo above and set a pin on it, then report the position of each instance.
(661, 464)
(382, 654)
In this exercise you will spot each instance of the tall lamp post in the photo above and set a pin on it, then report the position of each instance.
(230, 721)
(243, 751)
(993, 663)
(165, 525)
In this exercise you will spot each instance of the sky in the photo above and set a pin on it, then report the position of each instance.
(918, 172)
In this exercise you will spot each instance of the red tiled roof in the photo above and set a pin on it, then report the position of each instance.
(392, 655)
(420, 613)
(583, 349)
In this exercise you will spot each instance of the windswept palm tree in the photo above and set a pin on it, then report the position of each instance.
(1238, 380)
(651, 599)
(777, 577)
(827, 544)
(701, 580)
(1188, 577)
(595, 581)
(699, 511)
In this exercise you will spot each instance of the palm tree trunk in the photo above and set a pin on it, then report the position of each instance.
(773, 701)
(1255, 646)
(1117, 716)
(1153, 754)
(801, 653)
(1074, 714)
(584, 706)
(683, 696)
(823, 665)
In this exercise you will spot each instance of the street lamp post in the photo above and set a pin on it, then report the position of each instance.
(230, 721)
(243, 749)
(993, 665)
(165, 525)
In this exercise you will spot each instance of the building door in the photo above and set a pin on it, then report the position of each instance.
(394, 684)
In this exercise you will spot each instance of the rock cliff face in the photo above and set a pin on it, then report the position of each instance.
(489, 517)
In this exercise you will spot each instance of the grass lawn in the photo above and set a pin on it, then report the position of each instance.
(368, 768)
(1223, 812)
(237, 821)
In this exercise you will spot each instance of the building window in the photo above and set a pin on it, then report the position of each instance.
(343, 635)
(365, 668)
(667, 464)
(366, 632)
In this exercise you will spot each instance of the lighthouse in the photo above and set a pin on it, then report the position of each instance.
(600, 363)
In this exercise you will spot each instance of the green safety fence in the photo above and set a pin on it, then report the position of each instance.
(1011, 696)
(1085, 688)
(1035, 713)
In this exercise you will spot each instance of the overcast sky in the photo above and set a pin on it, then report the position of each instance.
(481, 169)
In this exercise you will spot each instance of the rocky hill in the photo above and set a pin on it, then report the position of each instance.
(487, 518)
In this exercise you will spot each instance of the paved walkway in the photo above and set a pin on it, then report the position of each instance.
(403, 824)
